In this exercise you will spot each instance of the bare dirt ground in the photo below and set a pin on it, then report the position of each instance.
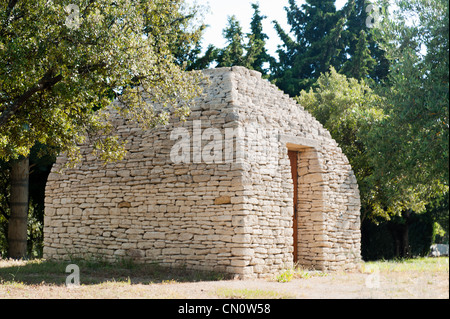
(374, 281)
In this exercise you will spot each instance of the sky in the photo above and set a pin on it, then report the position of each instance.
(219, 11)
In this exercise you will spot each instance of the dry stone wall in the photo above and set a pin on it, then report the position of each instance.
(328, 205)
(214, 192)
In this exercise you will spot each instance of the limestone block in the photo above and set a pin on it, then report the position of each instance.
(239, 251)
(222, 200)
(154, 235)
(171, 251)
(185, 236)
(242, 238)
(201, 178)
(239, 262)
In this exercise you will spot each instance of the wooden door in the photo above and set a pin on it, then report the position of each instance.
(293, 157)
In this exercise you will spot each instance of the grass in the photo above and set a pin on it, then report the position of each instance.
(297, 273)
(418, 277)
(93, 272)
(422, 264)
(250, 294)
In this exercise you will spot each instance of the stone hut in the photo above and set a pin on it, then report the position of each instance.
(250, 184)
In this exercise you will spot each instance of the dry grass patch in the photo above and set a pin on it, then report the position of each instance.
(414, 278)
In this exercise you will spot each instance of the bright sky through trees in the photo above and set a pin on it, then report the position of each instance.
(219, 10)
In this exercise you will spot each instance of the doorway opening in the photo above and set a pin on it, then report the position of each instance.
(293, 158)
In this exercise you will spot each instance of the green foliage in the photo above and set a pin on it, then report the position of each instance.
(422, 265)
(54, 75)
(361, 62)
(297, 273)
(203, 62)
(285, 276)
(318, 30)
(233, 53)
(347, 108)
(409, 147)
(438, 208)
(363, 46)
(183, 29)
(252, 54)
(322, 37)
(260, 59)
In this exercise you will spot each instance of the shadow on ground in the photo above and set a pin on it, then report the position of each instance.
(33, 272)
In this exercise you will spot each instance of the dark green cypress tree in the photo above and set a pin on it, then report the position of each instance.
(252, 53)
(233, 53)
(257, 55)
(361, 62)
(357, 22)
(318, 44)
(203, 62)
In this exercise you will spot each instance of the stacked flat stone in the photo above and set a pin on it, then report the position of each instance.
(233, 214)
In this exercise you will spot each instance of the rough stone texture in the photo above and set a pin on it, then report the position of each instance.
(227, 208)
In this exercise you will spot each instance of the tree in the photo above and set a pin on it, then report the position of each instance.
(363, 45)
(40, 163)
(409, 147)
(318, 29)
(183, 33)
(417, 96)
(17, 222)
(257, 43)
(233, 53)
(61, 65)
(360, 63)
(203, 62)
(5, 186)
(251, 54)
(347, 108)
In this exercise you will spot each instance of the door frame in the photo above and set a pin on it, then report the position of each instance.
(293, 158)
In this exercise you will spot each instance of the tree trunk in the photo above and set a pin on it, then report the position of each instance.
(400, 233)
(406, 249)
(17, 226)
(397, 244)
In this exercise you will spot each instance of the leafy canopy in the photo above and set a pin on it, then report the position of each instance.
(347, 107)
(315, 43)
(59, 64)
(411, 144)
(354, 113)
(396, 137)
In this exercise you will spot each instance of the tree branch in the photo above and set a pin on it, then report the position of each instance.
(47, 81)
(85, 69)
(9, 9)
